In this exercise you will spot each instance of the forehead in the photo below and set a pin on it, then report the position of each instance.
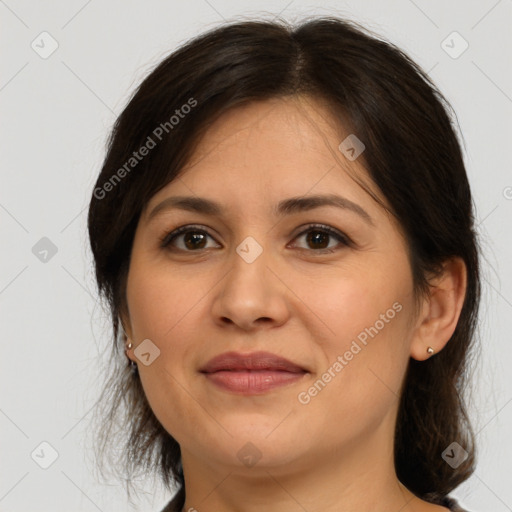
(267, 150)
(269, 133)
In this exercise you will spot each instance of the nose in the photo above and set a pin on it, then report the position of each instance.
(252, 294)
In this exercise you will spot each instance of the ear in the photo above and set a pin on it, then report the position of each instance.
(124, 318)
(440, 310)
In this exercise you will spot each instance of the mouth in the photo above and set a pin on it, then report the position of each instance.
(254, 373)
(252, 382)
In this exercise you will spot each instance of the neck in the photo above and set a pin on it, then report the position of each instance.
(339, 479)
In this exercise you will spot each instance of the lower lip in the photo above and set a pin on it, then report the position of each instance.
(252, 382)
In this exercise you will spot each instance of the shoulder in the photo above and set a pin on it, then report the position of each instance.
(176, 504)
(447, 501)
(171, 507)
(452, 504)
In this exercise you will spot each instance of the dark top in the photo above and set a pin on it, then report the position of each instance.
(176, 504)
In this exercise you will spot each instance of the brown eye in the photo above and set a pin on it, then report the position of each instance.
(318, 237)
(192, 239)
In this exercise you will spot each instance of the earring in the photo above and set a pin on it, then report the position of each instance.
(430, 350)
(131, 363)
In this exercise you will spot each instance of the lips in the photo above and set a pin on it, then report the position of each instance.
(256, 361)
(251, 374)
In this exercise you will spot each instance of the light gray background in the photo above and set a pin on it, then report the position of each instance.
(56, 115)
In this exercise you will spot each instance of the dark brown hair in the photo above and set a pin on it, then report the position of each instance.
(412, 155)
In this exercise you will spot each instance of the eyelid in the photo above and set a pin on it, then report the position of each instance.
(323, 227)
(168, 236)
(343, 239)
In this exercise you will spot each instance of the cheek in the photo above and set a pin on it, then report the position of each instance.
(161, 309)
(338, 310)
(364, 367)
(158, 301)
(164, 308)
(362, 333)
(345, 304)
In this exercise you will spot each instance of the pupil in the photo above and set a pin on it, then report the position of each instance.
(195, 236)
(315, 238)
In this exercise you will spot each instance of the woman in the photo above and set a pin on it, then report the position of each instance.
(283, 230)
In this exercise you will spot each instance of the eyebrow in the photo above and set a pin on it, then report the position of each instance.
(285, 207)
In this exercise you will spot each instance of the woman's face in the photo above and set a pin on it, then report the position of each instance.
(255, 277)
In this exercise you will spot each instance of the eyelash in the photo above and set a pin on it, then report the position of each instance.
(168, 237)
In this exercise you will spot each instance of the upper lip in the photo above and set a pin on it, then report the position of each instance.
(251, 361)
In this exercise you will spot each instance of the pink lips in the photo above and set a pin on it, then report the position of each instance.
(251, 373)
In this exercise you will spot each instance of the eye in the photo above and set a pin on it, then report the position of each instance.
(194, 238)
(318, 236)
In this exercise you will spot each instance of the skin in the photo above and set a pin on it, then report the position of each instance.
(336, 452)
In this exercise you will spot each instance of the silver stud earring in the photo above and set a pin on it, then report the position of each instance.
(430, 350)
